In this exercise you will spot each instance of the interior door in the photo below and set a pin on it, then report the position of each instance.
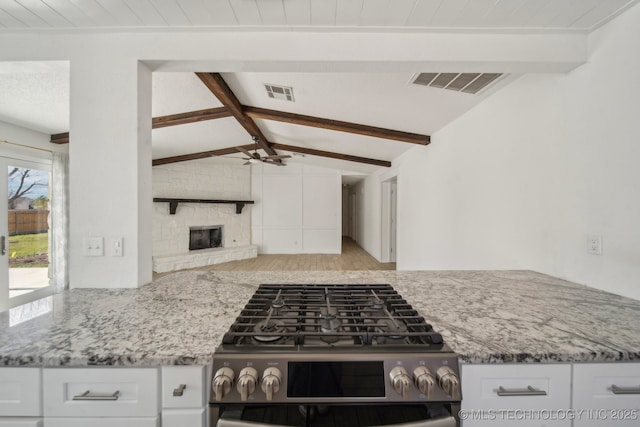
(24, 231)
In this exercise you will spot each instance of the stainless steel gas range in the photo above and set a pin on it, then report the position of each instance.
(331, 355)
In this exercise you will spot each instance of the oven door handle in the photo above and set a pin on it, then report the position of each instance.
(231, 418)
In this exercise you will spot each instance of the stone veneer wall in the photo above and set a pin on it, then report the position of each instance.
(204, 179)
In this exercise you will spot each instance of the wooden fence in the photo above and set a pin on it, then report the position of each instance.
(31, 221)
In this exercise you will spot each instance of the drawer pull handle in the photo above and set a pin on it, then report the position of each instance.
(529, 391)
(180, 390)
(624, 390)
(87, 395)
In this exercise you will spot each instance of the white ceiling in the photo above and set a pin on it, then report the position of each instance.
(579, 15)
(36, 94)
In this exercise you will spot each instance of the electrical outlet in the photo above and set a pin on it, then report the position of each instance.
(594, 244)
(93, 246)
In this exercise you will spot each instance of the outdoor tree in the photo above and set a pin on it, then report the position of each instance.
(21, 183)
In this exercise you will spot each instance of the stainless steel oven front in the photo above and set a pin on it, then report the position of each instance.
(335, 389)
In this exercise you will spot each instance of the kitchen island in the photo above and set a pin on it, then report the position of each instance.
(484, 316)
(157, 339)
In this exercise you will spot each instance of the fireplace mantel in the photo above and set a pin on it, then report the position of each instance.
(173, 203)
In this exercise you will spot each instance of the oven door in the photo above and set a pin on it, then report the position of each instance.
(334, 416)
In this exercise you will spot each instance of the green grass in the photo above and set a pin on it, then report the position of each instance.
(27, 250)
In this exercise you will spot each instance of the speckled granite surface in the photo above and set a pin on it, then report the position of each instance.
(486, 317)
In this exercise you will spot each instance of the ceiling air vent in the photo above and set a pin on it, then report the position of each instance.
(279, 92)
(460, 82)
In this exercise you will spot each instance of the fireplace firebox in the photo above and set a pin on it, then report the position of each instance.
(205, 237)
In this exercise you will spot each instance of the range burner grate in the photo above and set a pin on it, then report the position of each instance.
(330, 315)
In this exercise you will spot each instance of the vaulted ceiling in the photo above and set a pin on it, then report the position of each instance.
(36, 95)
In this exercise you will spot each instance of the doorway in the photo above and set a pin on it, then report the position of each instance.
(24, 231)
(389, 219)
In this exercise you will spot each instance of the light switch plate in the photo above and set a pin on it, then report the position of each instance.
(93, 246)
(117, 246)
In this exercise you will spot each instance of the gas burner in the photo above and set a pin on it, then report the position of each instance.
(375, 303)
(329, 324)
(272, 330)
(393, 331)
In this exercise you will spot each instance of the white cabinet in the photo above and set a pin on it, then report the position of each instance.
(515, 395)
(184, 396)
(20, 422)
(102, 397)
(20, 392)
(606, 394)
(20, 397)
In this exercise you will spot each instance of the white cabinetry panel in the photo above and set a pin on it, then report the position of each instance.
(20, 392)
(20, 422)
(184, 417)
(137, 392)
(101, 422)
(594, 399)
(483, 406)
(192, 396)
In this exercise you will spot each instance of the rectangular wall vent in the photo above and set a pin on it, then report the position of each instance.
(279, 92)
(459, 82)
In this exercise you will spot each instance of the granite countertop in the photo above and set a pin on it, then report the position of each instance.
(484, 316)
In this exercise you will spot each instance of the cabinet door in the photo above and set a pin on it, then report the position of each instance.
(101, 422)
(515, 395)
(20, 422)
(20, 392)
(606, 394)
(184, 417)
(183, 387)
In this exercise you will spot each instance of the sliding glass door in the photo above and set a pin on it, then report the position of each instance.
(24, 231)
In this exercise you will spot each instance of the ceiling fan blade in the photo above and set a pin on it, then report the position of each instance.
(271, 162)
(242, 150)
(283, 156)
(246, 163)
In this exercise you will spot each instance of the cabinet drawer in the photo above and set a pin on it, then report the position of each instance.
(481, 385)
(134, 392)
(20, 422)
(192, 395)
(594, 385)
(529, 395)
(20, 392)
(101, 422)
(184, 417)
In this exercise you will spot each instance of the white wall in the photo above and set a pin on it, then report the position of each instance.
(523, 178)
(110, 170)
(298, 209)
(209, 178)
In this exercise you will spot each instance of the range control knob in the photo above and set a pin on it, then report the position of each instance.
(449, 381)
(400, 380)
(222, 381)
(271, 379)
(424, 380)
(247, 380)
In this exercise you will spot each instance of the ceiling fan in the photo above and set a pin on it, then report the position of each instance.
(255, 158)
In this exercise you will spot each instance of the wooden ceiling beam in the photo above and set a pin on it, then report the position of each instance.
(216, 84)
(190, 117)
(168, 120)
(331, 155)
(304, 150)
(201, 155)
(60, 138)
(337, 125)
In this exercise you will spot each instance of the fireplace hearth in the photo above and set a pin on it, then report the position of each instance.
(205, 237)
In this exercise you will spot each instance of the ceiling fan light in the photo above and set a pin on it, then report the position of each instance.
(254, 161)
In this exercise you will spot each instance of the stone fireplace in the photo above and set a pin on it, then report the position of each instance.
(201, 234)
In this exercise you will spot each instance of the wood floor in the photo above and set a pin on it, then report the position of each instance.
(353, 257)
